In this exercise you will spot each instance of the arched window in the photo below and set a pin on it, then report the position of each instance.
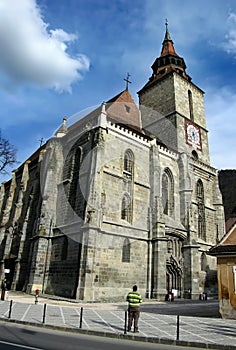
(71, 184)
(168, 192)
(126, 208)
(190, 102)
(126, 251)
(203, 262)
(129, 162)
(194, 155)
(201, 210)
(128, 180)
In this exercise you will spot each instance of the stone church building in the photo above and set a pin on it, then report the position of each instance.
(125, 195)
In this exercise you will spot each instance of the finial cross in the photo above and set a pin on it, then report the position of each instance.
(41, 141)
(127, 81)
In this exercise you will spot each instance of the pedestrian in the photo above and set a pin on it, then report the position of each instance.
(134, 299)
(36, 296)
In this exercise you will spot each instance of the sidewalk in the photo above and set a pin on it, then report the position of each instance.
(108, 319)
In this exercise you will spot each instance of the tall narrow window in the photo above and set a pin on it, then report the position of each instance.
(126, 251)
(168, 192)
(129, 162)
(126, 208)
(190, 102)
(165, 193)
(128, 182)
(203, 262)
(201, 210)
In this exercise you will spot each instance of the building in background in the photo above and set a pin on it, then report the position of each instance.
(227, 182)
(126, 195)
(225, 251)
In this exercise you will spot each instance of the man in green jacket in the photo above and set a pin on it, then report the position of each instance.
(134, 299)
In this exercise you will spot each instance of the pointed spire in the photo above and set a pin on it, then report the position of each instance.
(167, 35)
(62, 129)
(168, 45)
(169, 61)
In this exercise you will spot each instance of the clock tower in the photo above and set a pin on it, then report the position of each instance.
(185, 200)
(173, 106)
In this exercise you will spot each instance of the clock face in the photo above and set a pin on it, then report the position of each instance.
(193, 136)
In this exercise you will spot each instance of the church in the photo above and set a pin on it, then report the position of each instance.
(126, 195)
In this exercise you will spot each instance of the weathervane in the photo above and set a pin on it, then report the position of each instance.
(127, 81)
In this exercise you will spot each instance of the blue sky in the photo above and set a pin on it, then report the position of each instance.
(59, 57)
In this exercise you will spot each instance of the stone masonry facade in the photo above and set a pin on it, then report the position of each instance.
(126, 195)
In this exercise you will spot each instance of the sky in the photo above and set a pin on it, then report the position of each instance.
(60, 57)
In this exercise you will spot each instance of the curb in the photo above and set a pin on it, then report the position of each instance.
(124, 336)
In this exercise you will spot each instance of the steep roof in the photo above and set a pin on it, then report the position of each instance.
(168, 62)
(123, 109)
(120, 108)
(227, 245)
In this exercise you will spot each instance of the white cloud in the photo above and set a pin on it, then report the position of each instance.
(31, 53)
(230, 44)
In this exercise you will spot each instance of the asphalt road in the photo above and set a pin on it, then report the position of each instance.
(32, 338)
(194, 308)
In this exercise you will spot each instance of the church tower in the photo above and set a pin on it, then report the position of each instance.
(186, 203)
(173, 106)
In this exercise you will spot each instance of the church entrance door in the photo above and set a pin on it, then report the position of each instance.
(173, 277)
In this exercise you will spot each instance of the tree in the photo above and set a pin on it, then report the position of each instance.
(7, 154)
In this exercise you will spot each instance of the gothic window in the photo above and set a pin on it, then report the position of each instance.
(126, 251)
(129, 162)
(190, 102)
(201, 210)
(126, 208)
(168, 192)
(128, 177)
(203, 262)
(71, 182)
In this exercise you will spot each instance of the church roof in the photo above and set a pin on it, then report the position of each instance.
(227, 245)
(121, 109)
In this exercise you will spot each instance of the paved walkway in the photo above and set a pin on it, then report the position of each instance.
(109, 319)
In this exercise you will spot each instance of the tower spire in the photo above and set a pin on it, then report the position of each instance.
(167, 35)
(168, 45)
(169, 61)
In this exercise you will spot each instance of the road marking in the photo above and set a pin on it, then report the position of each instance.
(23, 317)
(19, 345)
(62, 315)
(105, 322)
(159, 330)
